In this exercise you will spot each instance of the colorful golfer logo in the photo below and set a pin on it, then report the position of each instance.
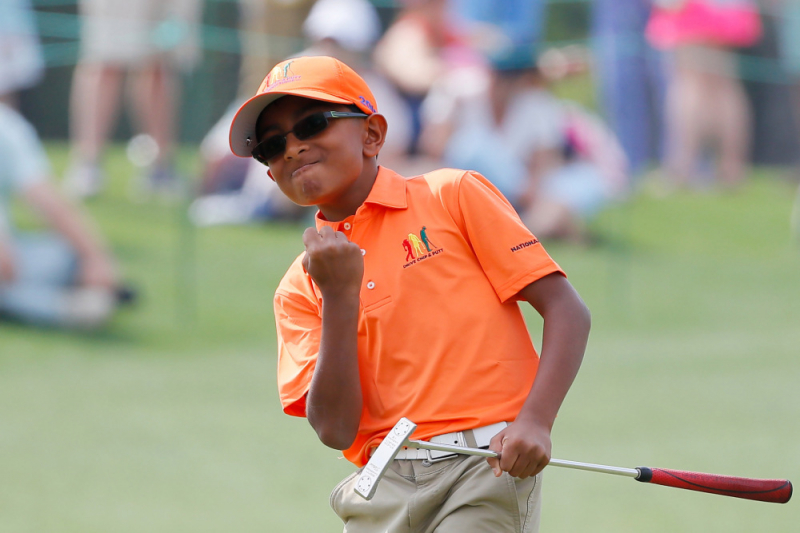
(279, 75)
(417, 247)
(426, 240)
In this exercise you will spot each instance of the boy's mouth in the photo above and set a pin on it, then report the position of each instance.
(297, 172)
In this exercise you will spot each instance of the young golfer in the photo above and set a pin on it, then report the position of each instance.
(405, 304)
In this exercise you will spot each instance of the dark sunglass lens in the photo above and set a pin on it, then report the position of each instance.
(269, 148)
(311, 125)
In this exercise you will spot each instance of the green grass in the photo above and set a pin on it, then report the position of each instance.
(169, 421)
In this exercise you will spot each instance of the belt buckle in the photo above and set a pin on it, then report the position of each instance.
(430, 459)
(433, 456)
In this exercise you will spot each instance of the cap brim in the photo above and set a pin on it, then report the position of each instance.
(243, 126)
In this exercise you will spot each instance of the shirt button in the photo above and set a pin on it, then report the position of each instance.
(347, 225)
(363, 252)
(370, 284)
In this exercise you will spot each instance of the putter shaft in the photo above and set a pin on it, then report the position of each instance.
(627, 472)
(451, 448)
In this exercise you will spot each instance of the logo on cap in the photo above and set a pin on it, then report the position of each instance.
(367, 104)
(278, 76)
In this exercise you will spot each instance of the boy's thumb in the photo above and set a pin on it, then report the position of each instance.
(496, 445)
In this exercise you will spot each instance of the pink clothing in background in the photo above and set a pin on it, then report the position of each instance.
(733, 23)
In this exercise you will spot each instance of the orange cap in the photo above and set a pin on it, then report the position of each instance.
(318, 78)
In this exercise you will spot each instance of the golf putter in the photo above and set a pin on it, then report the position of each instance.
(765, 490)
(367, 482)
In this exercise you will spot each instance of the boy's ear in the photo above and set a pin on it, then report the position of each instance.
(376, 127)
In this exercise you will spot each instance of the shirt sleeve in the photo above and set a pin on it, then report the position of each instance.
(299, 326)
(510, 255)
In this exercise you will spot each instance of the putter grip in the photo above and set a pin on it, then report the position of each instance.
(763, 490)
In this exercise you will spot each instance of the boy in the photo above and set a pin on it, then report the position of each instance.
(371, 329)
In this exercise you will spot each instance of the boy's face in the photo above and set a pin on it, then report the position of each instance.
(323, 169)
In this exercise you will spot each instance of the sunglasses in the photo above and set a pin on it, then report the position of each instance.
(313, 124)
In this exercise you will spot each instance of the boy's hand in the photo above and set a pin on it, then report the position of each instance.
(332, 260)
(524, 449)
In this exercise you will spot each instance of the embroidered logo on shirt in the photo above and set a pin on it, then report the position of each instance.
(419, 248)
(524, 245)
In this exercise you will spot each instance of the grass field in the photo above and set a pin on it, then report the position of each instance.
(169, 420)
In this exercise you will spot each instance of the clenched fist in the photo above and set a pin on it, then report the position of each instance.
(333, 261)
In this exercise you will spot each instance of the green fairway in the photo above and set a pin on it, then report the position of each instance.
(169, 420)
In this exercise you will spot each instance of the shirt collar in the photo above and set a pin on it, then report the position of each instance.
(389, 190)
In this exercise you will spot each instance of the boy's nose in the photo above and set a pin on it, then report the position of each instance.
(294, 146)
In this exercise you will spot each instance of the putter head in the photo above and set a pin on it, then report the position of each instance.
(372, 473)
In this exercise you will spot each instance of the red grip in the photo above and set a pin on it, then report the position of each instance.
(763, 490)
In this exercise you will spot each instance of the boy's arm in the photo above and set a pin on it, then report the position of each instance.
(333, 404)
(525, 445)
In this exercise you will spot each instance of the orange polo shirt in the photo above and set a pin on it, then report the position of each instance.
(441, 337)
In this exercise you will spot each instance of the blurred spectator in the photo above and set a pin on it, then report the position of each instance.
(148, 43)
(63, 277)
(706, 103)
(21, 62)
(555, 162)
(519, 23)
(631, 79)
(237, 190)
(422, 45)
(271, 30)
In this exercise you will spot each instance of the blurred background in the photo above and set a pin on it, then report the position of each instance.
(652, 145)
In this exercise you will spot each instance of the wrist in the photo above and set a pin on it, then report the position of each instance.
(536, 419)
(341, 293)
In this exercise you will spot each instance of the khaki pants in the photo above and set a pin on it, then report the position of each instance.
(452, 496)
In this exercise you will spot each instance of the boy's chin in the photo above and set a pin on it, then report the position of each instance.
(307, 201)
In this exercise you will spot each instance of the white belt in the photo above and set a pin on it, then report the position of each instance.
(471, 438)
